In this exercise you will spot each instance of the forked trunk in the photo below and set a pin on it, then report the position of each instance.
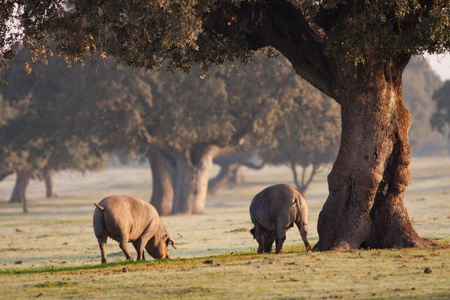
(365, 206)
(303, 184)
(226, 173)
(49, 185)
(19, 194)
(237, 177)
(191, 181)
(162, 193)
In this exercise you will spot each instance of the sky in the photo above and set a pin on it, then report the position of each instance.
(440, 64)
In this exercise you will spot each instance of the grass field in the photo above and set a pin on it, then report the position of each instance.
(51, 252)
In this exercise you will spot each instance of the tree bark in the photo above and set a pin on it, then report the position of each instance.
(162, 194)
(365, 206)
(19, 194)
(191, 180)
(49, 185)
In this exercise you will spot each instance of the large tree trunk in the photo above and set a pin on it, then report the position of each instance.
(191, 180)
(162, 194)
(49, 185)
(19, 194)
(365, 206)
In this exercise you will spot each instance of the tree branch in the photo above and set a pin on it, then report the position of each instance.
(282, 25)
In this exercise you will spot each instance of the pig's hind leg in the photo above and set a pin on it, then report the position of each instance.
(123, 245)
(303, 229)
(280, 238)
(102, 245)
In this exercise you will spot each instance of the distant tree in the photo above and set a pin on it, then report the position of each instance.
(179, 121)
(310, 135)
(200, 119)
(231, 169)
(38, 158)
(440, 119)
(7, 112)
(71, 155)
(42, 136)
(22, 154)
(419, 84)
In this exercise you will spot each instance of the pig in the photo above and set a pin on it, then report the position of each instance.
(126, 219)
(274, 210)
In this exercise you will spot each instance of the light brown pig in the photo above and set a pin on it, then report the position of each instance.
(127, 219)
(273, 211)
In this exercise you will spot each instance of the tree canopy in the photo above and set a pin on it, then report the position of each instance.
(141, 34)
(38, 135)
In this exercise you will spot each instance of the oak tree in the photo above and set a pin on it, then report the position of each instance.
(39, 136)
(196, 118)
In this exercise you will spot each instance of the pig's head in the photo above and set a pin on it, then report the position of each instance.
(268, 238)
(160, 249)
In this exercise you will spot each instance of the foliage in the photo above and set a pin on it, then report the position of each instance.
(180, 111)
(220, 109)
(369, 32)
(42, 133)
(310, 133)
(441, 117)
(141, 34)
(419, 84)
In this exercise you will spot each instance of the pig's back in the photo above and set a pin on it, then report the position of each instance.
(125, 214)
(273, 204)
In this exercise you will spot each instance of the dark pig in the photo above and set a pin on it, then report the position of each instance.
(273, 211)
(127, 219)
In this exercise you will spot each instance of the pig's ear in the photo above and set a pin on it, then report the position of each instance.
(170, 241)
(252, 231)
